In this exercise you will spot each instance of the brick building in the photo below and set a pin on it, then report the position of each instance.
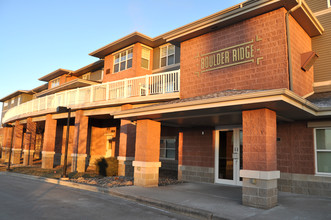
(240, 97)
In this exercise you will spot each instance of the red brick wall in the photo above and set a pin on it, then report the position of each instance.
(63, 79)
(195, 148)
(259, 140)
(295, 149)
(271, 73)
(300, 43)
(136, 69)
(61, 132)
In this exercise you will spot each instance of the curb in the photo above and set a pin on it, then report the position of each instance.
(180, 209)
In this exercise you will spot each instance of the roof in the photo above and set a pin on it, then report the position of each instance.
(54, 74)
(14, 94)
(321, 99)
(126, 41)
(89, 68)
(40, 88)
(221, 19)
(73, 84)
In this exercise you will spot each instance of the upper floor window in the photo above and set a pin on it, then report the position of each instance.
(123, 60)
(329, 3)
(12, 100)
(5, 104)
(167, 55)
(55, 82)
(86, 76)
(145, 57)
(323, 150)
(19, 100)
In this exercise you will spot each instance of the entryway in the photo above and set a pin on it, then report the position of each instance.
(228, 156)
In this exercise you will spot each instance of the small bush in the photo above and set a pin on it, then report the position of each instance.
(107, 166)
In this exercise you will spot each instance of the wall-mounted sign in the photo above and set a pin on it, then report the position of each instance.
(230, 56)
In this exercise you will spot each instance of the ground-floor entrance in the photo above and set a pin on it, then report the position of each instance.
(228, 156)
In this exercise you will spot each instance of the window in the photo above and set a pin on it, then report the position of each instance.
(323, 150)
(329, 3)
(167, 55)
(5, 104)
(145, 56)
(123, 60)
(168, 148)
(86, 76)
(19, 100)
(12, 100)
(55, 82)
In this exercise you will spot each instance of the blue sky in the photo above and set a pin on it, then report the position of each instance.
(40, 36)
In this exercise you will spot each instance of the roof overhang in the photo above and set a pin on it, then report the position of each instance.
(89, 68)
(14, 94)
(227, 110)
(74, 84)
(126, 41)
(242, 12)
(54, 74)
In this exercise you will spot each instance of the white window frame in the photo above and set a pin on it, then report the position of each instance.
(149, 58)
(126, 50)
(329, 3)
(86, 76)
(167, 138)
(12, 101)
(19, 99)
(5, 104)
(167, 55)
(316, 150)
(57, 80)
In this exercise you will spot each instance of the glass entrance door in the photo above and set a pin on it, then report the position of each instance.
(228, 156)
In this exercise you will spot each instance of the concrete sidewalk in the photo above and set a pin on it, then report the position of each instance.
(209, 201)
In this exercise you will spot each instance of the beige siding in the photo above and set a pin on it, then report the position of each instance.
(317, 5)
(26, 98)
(156, 58)
(96, 75)
(322, 46)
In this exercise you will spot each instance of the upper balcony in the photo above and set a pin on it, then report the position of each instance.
(155, 87)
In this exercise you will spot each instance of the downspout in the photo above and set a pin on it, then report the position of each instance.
(289, 54)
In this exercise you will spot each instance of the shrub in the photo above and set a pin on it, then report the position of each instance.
(107, 166)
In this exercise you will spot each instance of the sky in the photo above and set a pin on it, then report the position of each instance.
(40, 36)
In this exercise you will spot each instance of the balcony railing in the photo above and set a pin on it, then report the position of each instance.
(155, 84)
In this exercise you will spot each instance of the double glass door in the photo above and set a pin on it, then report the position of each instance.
(228, 156)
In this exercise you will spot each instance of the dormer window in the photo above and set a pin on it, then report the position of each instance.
(55, 82)
(167, 55)
(123, 60)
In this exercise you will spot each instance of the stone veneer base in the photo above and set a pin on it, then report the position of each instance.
(28, 157)
(146, 174)
(196, 173)
(125, 167)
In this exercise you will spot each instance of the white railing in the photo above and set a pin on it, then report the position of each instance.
(155, 84)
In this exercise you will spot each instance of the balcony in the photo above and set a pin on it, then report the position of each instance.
(138, 89)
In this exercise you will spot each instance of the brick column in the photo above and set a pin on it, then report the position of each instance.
(79, 155)
(126, 148)
(17, 143)
(49, 143)
(29, 142)
(180, 155)
(7, 135)
(147, 153)
(259, 159)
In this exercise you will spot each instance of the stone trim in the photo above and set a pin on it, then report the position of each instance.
(5, 148)
(15, 149)
(263, 175)
(146, 164)
(125, 158)
(27, 151)
(47, 153)
(78, 155)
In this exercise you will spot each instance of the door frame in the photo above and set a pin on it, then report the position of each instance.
(236, 165)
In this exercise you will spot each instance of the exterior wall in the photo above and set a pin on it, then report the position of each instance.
(98, 138)
(169, 164)
(316, 6)
(63, 79)
(135, 70)
(60, 141)
(295, 148)
(300, 43)
(196, 154)
(271, 73)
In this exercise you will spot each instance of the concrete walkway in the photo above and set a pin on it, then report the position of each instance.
(225, 201)
(209, 201)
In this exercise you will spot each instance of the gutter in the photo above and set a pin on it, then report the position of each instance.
(289, 53)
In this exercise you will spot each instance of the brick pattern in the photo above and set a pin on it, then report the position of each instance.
(18, 135)
(259, 140)
(31, 127)
(81, 133)
(135, 70)
(295, 149)
(50, 134)
(148, 141)
(197, 149)
(127, 139)
(271, 73)
(300, 43)
(305, 184)
(63, 79)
